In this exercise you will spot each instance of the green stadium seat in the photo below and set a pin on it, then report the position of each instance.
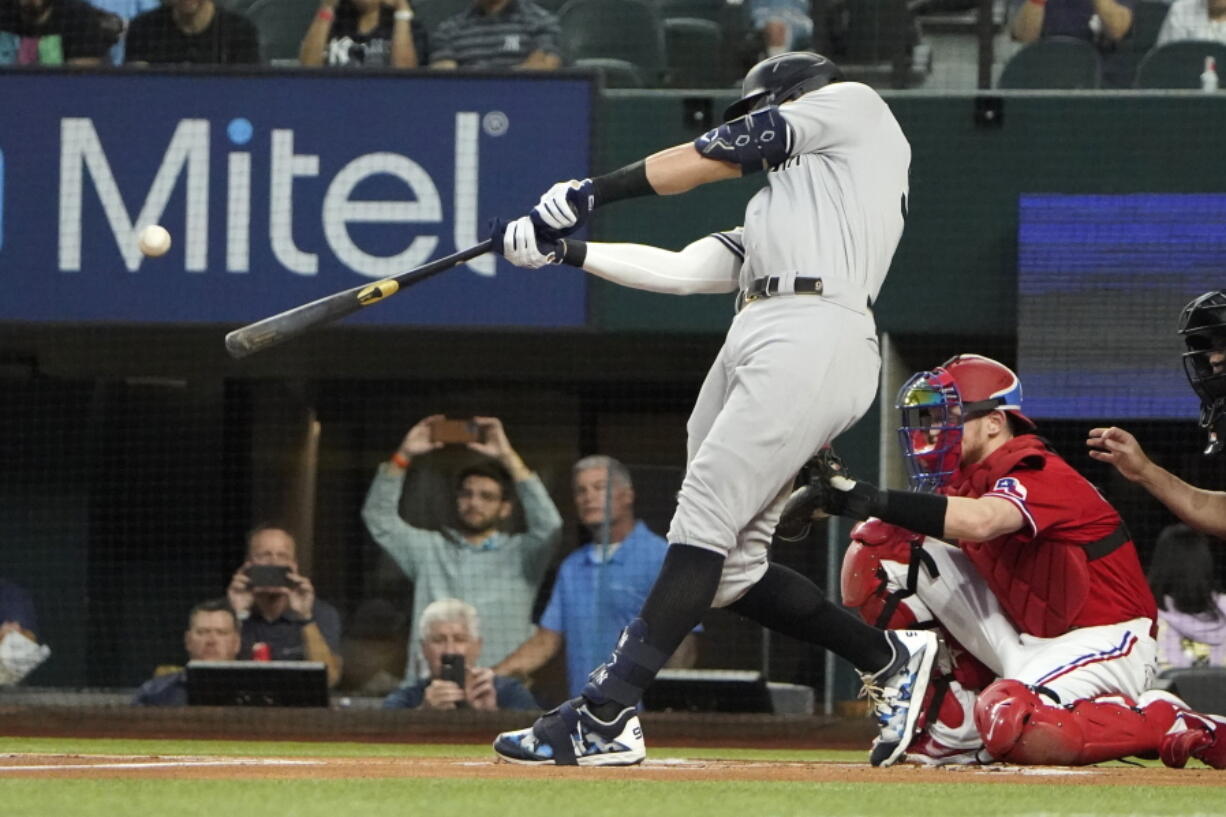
(627, 30)
(1120, 68)
(714, 10)
(695, 49)
(282, 25)
(1179, 64)
(613, 73)
(1064, 63)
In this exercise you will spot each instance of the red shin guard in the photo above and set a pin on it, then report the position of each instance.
(1018, 726)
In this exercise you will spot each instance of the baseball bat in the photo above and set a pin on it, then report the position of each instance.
(255, 337)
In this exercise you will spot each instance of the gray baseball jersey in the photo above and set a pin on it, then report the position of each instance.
(835, 209)
(795, 371)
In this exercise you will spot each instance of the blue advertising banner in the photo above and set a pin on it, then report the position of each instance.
(278, 189)
(1101, 282)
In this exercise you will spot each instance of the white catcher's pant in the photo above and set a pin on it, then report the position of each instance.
(1088, 662)
(794, 372)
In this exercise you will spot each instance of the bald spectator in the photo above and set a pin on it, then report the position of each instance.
(498, 34)
(286, 616)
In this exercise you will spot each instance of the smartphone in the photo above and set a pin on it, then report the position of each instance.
(269, 576)
(453, 670)
(454, 431)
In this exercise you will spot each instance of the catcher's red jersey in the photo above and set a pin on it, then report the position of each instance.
(1043, 575)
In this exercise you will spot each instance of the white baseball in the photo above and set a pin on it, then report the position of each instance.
(154, 240)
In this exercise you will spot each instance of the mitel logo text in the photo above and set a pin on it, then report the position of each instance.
(187, 156)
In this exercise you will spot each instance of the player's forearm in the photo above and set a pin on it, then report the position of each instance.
(982, 519)
(1197, 507)
(404, 52)
(699, 268)
(681, 168)
(317, 649)
(532, 654)
(315, 42)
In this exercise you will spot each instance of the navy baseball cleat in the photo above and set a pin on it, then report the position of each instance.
(897, 692)
(572, 736)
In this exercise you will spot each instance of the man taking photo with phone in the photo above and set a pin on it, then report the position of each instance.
(451, 644)
(473, 559)
(278, 608)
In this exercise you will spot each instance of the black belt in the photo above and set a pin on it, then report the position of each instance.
(769, 287)
(1110, 543)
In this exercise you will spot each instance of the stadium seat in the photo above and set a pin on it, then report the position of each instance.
(626, 30)
(1179, 64)
(1120, 68)
(1064, 63)
(614, 73)
(714, 10)
(282, 24)
(695, 51)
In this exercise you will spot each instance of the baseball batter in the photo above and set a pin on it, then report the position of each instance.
(1043, 586)
(799, 366)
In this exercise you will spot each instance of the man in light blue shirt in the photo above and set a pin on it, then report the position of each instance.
(601, 586)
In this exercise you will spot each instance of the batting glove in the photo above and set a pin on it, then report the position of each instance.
(523, 245)
(565, 207)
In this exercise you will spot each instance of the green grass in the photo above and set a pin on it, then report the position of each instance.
(545, 798)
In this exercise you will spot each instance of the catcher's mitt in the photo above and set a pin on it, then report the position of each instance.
(815, 497)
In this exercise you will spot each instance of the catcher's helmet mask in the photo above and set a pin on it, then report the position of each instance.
(1202, 323)
(935, 405)
(782, 78)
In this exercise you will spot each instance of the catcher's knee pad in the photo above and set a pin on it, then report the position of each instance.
(866, 581)
(1003, 713)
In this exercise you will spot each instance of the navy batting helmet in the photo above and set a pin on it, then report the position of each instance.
(781, 78)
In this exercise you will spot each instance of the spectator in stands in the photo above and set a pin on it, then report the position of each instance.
(192, 31)
(451, 627)
(212, 635)
(785, 25)
(294, 624)
(365, 33)
(1191, 615)
(55, 32)
(601, 586)
(20, 651)
(125, 10)
(1103, 22)
(498, 34)
(497, 572)
(1194, 20)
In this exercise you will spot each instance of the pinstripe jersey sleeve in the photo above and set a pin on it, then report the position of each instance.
(733, 240)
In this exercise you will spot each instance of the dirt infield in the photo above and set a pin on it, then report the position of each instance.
(207, 767)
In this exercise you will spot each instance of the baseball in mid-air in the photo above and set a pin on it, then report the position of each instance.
(154, 240)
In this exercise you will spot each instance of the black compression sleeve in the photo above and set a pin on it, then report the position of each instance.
(625, 183)
(922, 513)
(574, 252)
